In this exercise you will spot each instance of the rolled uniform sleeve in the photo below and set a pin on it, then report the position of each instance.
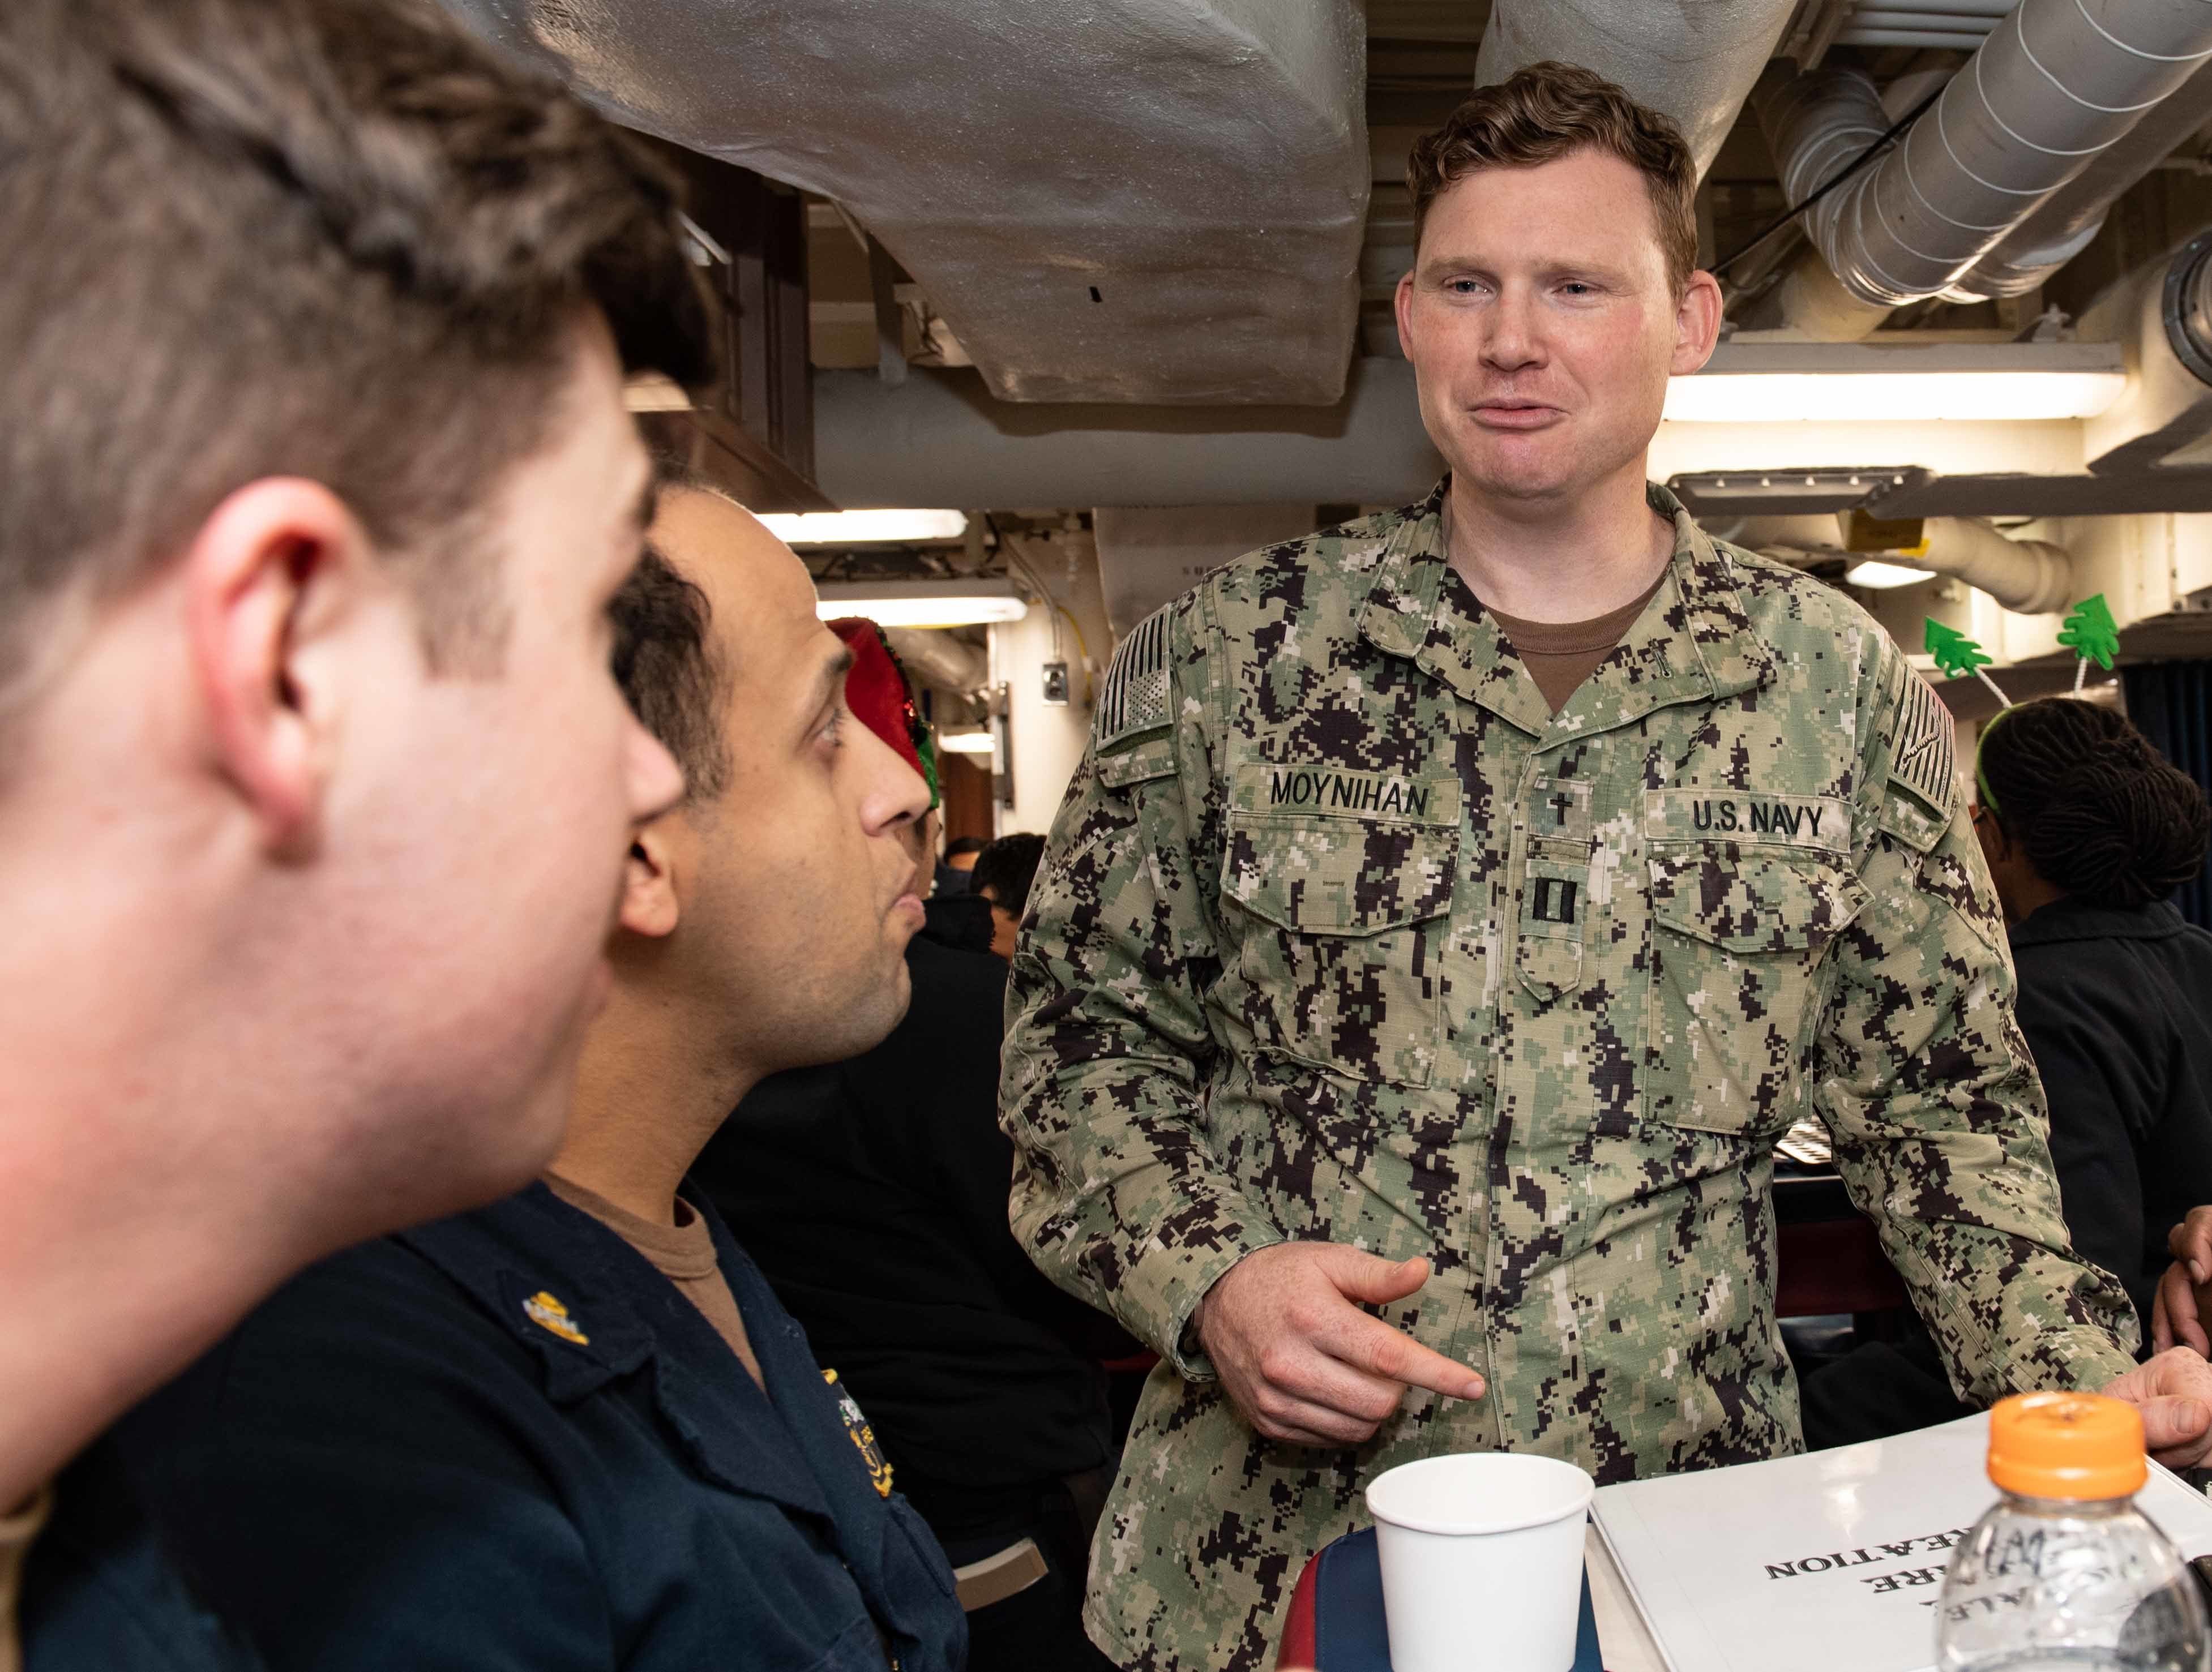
(1927, 1087)
(1118, 1195)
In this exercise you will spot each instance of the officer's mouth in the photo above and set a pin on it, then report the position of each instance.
(1514, 415)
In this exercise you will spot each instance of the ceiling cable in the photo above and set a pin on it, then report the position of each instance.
(1044, 593)
(1831, 183)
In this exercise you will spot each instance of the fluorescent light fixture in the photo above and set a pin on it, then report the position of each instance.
(966, 743)
(1862, 383)
(922, 603)
(848, 528)
(650, 391)
(1873, 572)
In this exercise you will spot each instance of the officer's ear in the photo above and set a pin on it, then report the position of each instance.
(649, 906)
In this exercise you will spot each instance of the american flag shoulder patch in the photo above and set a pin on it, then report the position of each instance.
(1924, 761)
(1135, 699)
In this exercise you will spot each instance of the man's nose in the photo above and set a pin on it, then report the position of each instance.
(1513, 340)
(895, 795)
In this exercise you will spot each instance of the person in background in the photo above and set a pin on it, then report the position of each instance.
(574, 1432)
(314, 788)
(952, 871)
(873, 1194)
(2088, 831)
(1003, 874)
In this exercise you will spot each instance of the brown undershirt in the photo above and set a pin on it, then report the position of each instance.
(1560, 655)
(683, 1253)
(18, 1527)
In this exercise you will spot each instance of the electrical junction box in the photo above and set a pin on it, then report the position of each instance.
(1055, 683)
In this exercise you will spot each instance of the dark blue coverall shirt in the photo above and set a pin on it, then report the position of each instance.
(505, 1440)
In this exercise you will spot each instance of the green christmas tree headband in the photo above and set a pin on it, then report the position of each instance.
(2088, 631)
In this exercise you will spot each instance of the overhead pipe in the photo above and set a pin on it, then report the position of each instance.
(2062, 227)
(2028, 576)
(2047, 93)
(951, 663)
(939, 439)
(2161, 316)
(1815, 125)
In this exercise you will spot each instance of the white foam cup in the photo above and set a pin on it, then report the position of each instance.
(1482, 1562)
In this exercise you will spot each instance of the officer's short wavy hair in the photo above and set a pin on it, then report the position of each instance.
(339, 239)
(1551, 110)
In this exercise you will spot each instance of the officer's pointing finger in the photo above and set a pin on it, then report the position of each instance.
(1387, 1352)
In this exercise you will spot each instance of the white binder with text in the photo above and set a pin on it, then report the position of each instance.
(1829, 1562)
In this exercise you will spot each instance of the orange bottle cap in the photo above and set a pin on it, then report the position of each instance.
(2072, 1446)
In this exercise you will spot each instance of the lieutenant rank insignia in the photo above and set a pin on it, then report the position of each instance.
(864, 1437)
(549, 1314)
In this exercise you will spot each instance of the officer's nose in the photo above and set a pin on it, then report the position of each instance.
(1514, 341)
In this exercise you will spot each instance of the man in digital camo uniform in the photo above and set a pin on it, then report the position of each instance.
(1464, 959)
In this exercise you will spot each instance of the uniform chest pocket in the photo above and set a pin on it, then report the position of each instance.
(1737, 939)
(1341, 932)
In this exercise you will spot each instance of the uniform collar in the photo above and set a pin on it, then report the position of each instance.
(1693, 642)
(592, 1309)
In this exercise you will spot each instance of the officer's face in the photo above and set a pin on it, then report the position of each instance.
(797, 884)
(1543, 328)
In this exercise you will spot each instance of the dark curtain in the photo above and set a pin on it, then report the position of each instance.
(2171, 703)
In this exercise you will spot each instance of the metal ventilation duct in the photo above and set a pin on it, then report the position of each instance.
(1694, 59)
(1157, 201)
(2062, 227)
(2051, 88)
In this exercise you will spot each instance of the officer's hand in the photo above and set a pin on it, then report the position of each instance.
(2173, 1392)
(2185, 1294)
(1300, 1359)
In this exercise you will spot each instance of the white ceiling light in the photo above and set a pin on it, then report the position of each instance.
(1861, 382)
(846, 528)
(923, 603)
(965, 742)
(1873, 572)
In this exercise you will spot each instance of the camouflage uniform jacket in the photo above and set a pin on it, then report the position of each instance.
(1341, 934)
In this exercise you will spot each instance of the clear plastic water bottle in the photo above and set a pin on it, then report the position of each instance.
(2065, 1574)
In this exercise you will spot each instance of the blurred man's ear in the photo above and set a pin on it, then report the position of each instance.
(649, 906)
(275, 567)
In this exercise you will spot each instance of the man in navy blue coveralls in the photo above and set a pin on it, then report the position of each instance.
(575, 1430)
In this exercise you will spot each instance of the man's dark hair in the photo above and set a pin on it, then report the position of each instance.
(665, 663)
(2098, 810)
(332, 239)
(1006, 868)
(1551, 110)
(961, 844)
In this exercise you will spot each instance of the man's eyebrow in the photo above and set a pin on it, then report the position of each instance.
(1435, 265)
(830, 680)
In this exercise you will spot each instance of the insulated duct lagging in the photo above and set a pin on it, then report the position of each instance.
(1694, 59)
(1125, 201)
(2053, 88)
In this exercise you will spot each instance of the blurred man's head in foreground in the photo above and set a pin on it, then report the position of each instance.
(317, 482)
